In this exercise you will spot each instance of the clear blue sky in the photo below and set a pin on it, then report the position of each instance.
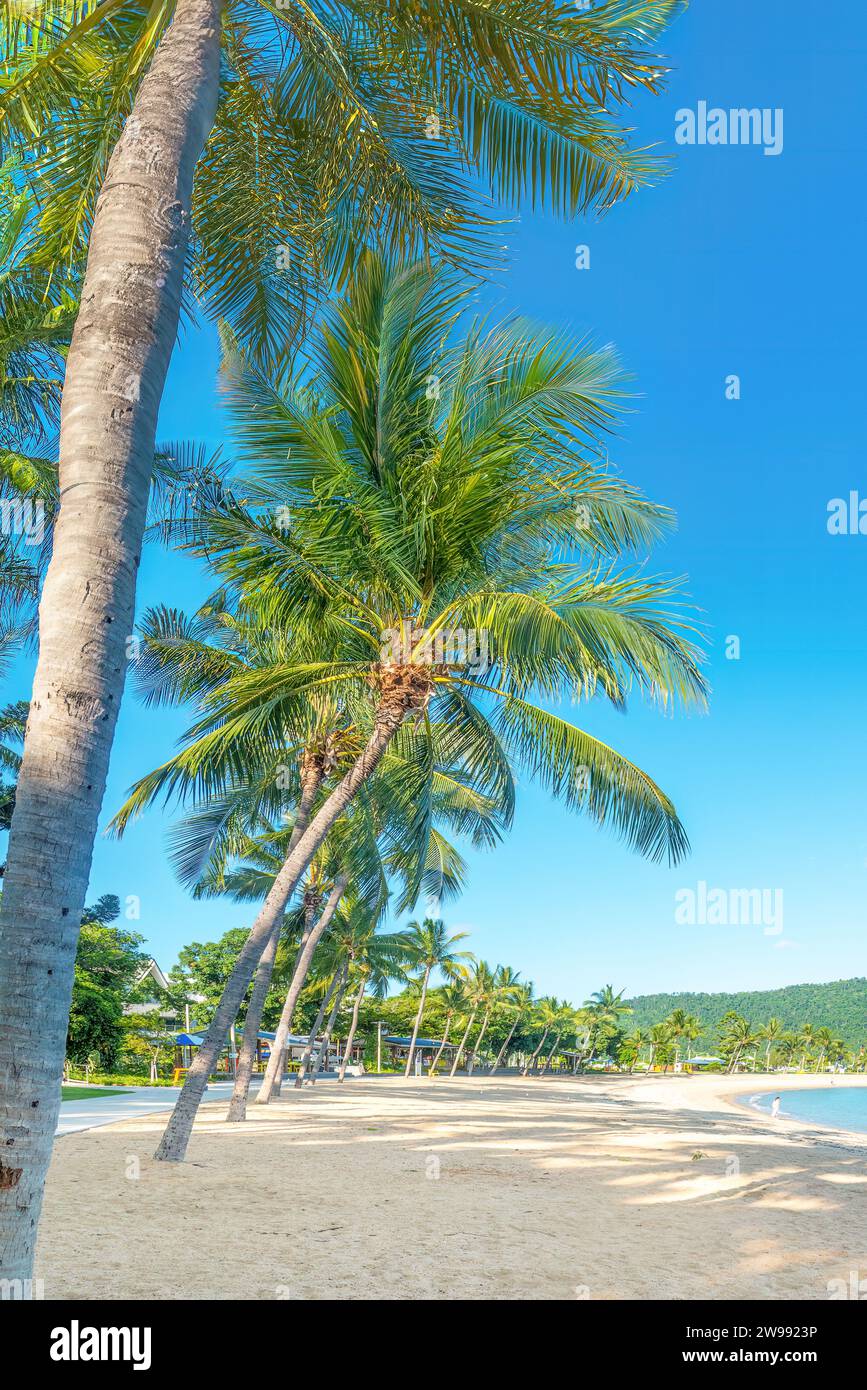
(737, 263)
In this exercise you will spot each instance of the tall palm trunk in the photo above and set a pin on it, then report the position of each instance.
(503, 1050)
(462, 1043)
(322, 1055)
(352, 1030)
(389, 716)
(314, 1032)
(115, 373)
(311, 779)
(477, 1044)
(551, 1054)
(274, 1068)
(768, 1056)
(417, 1024)
(435, 1063)
(312, 902)
(532, 1058)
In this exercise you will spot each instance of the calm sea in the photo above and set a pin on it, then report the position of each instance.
(842, 1107)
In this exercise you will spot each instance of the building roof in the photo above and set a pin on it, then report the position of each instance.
(419, 1042)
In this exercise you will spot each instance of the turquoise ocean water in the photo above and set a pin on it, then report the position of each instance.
(838, 1105)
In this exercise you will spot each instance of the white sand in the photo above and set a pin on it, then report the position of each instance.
(476, 1188)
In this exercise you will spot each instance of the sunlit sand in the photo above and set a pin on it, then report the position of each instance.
(599, 1188)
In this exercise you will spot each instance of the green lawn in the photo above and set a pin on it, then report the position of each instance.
(85, 1092)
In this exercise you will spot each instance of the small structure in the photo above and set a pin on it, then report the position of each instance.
(425, 1051)
(295, 1046)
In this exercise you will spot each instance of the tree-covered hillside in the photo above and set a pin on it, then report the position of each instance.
(840, 1005)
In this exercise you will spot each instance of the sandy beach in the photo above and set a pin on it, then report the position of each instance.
(595, 1187)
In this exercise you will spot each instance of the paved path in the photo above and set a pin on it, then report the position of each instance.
(76, 1115)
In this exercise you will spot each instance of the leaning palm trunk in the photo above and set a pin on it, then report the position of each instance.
(310, 906)
(551, 1054)
(435, 1063)
(299, 975)
(238, 1104)
(352, 1031)
(532, 1058)
(417, 1024)
(504, 1049)
(322, 1055)
(173, 1144)
(462, 1043)
(477, 1044)
(314, 1031)
(115, 373)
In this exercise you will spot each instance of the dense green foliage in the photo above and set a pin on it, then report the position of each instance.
(107, 962)
(840, 1006)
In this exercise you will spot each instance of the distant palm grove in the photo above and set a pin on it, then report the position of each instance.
(422, 985)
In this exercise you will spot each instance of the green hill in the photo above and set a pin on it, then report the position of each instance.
(840, 1005)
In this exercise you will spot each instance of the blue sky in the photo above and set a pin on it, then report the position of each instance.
(738, 263)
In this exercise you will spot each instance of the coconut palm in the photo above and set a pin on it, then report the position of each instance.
(37, 311)
(478, 986)
(563, 1022)
(771, 1032)
(514, 998)
(430, 948)
(452, 997)
(822, 1040)
(659, 1038)
(126, 99)
(684, 1028)
(489, 997)
(375, 960)
(12, 721)
(386, 533)
(631, 1046)
(180, 659)
(544, 1016)
(605, 1004)
(737, 1034)
(806, 1042)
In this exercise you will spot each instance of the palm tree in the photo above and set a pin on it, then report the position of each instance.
(359, 571)
(771, 1032)
(376, 960)
(37, 311)
(806, 1041)
(823, 1040)
(528, 102)
(737, 1036)
(515, 998)
(453, 999)
(545, 1014)
(564, 1021)
(659, 1038)
(683, 1027)
(431, 948)
(631, 1046)
(477, 988)
(12, 721)
(489, 991)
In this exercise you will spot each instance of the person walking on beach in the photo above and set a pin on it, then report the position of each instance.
(775, 1107)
